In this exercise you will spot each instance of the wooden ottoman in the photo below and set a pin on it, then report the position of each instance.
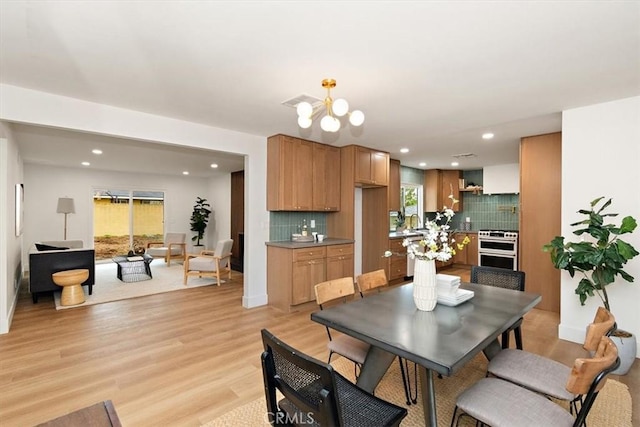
(71, 281)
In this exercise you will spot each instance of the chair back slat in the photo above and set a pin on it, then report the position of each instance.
(372, 280)
(602, 324)
(585, 370)
(332, 290)
(498, 277)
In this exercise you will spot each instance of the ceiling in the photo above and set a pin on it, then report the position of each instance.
(429, 76)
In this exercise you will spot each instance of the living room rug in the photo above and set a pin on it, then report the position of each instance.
(611, 408)
(109, 288)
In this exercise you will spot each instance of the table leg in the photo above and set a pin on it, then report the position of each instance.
(492, 349)
(428, 396)
(374, 368)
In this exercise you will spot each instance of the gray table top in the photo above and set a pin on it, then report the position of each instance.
(443, 339)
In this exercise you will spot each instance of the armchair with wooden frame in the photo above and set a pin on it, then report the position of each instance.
(174, 246)
(210, 263)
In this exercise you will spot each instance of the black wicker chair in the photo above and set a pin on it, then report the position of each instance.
(507, 279)
(315, 394)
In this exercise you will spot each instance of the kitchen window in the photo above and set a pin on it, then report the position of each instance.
(411, 204)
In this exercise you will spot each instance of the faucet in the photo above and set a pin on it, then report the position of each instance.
(411, 221)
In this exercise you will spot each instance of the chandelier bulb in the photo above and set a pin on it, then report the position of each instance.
(340, 107)
(304, 109)
(356, 118)
(304, 122)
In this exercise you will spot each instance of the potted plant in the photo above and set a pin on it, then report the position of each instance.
(598, 260)
(199, 219)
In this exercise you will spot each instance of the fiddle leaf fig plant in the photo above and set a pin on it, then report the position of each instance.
(200, 219)
(598, 259)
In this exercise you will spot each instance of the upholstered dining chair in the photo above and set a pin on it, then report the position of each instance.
(210, 263)
(546, 376)
(314, 394)
(174, 246)
(496, 402)
(332, 292)
(507, 279)
(373, 282)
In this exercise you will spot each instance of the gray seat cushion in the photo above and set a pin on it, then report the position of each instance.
(503, 404)
(532, 371)
(349, 347)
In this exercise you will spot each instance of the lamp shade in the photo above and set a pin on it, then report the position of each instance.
(66, 205)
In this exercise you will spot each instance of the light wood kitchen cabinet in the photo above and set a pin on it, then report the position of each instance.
(289, 174)
(339, 261)
(469, 254)
(372, 167)
(292, 273)
(309, 269)
(326, 178)
(397, 268)
(438, 185)
(540, 203)
(393, 190)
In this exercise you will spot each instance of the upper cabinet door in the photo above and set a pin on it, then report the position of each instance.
(372, 167)
(394, 185)
(451, 186)
(326, 178)
(289, 174)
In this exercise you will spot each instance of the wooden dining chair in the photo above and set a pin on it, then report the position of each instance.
(339, 291)
(373, 282)
(506, 279)
(497, 402)
(314, 394)
(544, 375)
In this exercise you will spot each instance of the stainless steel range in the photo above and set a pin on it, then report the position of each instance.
(498, 248)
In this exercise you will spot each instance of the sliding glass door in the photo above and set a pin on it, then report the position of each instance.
(124, 220)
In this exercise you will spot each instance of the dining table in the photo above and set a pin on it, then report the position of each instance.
(439, 341)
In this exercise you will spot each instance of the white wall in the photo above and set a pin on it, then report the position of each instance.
(601, 157)
(39, 108)
(10, 264)
(45, 224)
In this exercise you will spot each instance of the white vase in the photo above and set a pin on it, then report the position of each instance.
(425, 290)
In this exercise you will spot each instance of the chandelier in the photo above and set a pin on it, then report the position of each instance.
(333, 110)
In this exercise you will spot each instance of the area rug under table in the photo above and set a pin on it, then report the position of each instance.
(108, 287)
(611, 408)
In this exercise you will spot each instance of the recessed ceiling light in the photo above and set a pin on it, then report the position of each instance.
(96, 151)
(404, 150)
(214, 165)
(185, 173)
(454, 163)
(487, 135)
(422, 164)
(86, 164)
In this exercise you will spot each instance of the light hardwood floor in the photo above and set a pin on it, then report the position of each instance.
(180, 358)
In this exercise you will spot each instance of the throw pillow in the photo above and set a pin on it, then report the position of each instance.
(42, 247)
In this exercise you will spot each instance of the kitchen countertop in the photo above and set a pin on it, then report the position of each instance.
(288, 244)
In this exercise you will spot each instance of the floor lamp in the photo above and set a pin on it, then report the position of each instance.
(65, 206)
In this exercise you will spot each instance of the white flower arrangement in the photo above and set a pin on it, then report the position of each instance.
(437, 243)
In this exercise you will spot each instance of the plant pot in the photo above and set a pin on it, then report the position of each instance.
(626, 343)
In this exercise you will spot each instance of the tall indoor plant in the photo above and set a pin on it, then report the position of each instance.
(598, 259)
(200, 219)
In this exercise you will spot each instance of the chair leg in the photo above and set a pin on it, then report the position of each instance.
(405, 382)
(518, 334)
(505, 339)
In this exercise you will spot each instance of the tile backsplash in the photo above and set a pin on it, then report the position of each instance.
(283, 224)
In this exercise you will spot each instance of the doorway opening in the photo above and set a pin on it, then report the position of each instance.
(125, 220)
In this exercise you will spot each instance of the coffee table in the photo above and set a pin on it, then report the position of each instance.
(134, 268)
